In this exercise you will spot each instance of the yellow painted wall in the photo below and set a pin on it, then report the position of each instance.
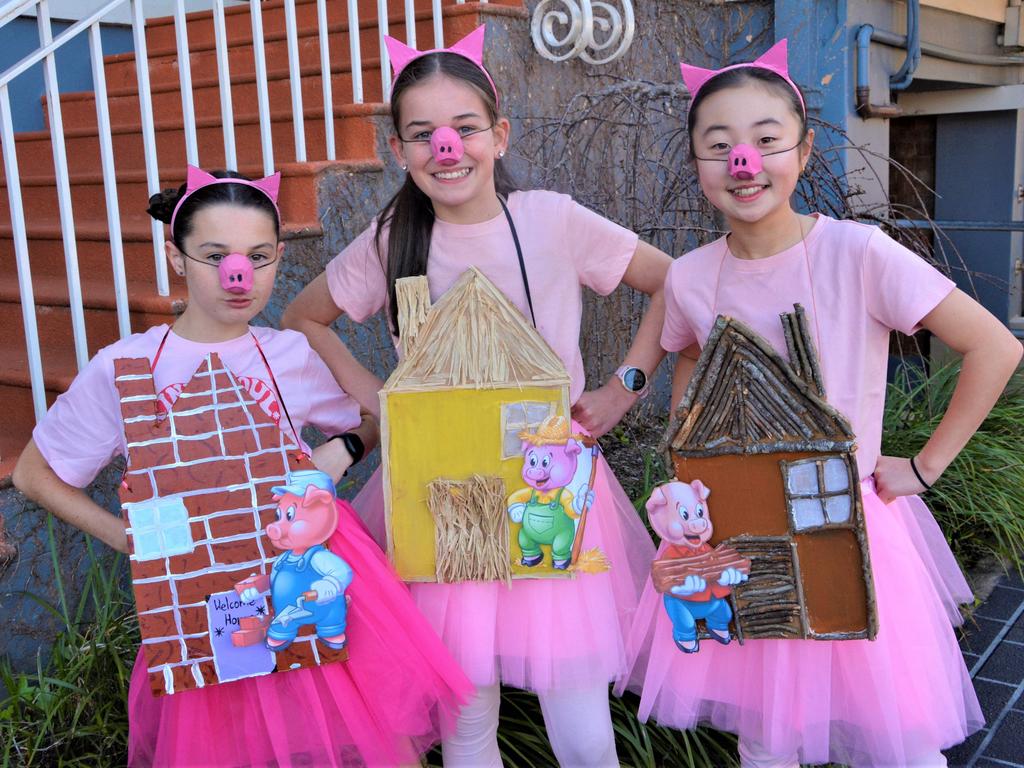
(453, 434)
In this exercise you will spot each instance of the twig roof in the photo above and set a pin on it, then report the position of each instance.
(744, 398)
(474, 337)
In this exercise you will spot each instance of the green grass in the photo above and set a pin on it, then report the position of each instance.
(73, 709)
(979, 500)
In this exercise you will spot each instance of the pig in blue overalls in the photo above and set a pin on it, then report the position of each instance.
(294, 574)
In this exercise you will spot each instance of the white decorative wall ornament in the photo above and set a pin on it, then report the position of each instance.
(597, 31)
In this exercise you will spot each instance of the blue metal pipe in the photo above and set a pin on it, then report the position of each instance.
(864, 55)
(864, 106)
(898, 81)
(902, 79)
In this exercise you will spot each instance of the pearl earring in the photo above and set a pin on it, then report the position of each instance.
(405, 167)
(501, 154)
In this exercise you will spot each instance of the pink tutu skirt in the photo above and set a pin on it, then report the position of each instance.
(392, 699)
(886, 702)
(541, 634)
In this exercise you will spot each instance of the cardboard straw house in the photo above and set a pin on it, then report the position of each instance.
(196, 496)
(779, 461)
(474, 374)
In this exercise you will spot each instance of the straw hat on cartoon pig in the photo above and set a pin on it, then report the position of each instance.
(554, 430)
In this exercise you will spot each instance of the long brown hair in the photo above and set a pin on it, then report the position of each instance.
(409, 215)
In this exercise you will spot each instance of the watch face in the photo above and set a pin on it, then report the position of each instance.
(634, 379)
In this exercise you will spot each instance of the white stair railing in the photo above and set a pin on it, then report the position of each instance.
(63, 180)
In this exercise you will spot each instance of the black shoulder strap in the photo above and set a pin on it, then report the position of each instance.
(522, 264)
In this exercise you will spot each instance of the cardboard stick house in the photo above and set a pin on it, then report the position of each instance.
(785, 493)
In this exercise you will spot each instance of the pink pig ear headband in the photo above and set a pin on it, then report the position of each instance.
(237, 272)
(470, 47)
(745, 161)
(197, 178)
(775, 59)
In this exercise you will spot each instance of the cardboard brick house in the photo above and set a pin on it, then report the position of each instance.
(196, 495)
(474, 376)
(785, 492)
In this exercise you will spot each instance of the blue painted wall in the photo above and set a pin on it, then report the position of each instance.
(974, 182)
(20, 38)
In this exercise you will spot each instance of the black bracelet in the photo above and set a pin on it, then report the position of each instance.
(353, 444)
(920, 479)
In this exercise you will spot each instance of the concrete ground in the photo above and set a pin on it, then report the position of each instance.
(993, 646)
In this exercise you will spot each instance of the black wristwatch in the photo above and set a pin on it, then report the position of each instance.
(353, 444)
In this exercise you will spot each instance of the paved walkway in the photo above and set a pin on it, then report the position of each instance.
(993, 646)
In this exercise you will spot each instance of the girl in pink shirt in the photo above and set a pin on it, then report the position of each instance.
(388, 701)
(564, 639)
(900, 699)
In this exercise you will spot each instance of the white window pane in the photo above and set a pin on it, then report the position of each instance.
(802, 479)
(838, 509)
(147, 545)
(512, 446)
(537, 412)
(807, 513)
(515, 416)
(142, 515)
(837, 476)
(177, 540)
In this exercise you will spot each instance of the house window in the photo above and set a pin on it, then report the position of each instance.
(515, 417)
(160, 528)
(818, 492)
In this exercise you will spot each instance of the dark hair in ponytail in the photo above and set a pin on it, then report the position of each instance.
(161, 205)
(409, 215)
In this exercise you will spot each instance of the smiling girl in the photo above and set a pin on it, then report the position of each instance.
(399, 686)
(903, 697)
(456, 209)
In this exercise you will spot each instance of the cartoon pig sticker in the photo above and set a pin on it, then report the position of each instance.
(307, 582)
(679, 513)
(546, 508)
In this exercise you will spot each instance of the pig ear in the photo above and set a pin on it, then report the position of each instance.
(315, 495)
(525, 446)
(657, 500)
(700, 489)
(573, 447)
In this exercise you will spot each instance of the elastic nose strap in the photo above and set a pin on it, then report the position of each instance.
(744, 162)
(236, 273)
(446, 145)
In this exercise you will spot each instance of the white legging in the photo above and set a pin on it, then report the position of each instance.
(579, 726)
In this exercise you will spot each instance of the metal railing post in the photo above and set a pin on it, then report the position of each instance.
(227, 114)
(295, 80)
(18, 235)
(99, 80)
(325, 74)
(188, 112)
(149, 140)
(262, 90)
(60, 167)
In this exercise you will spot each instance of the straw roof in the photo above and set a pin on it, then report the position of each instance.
(745, 398)
(474, 337)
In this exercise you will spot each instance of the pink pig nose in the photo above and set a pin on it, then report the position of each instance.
(698, 525)
(274, 531)
(236, 273)
(446, 144)
(744, 162)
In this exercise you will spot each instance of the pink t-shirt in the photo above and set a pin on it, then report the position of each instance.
(864, 285)
(565, 246)
(82, 431)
